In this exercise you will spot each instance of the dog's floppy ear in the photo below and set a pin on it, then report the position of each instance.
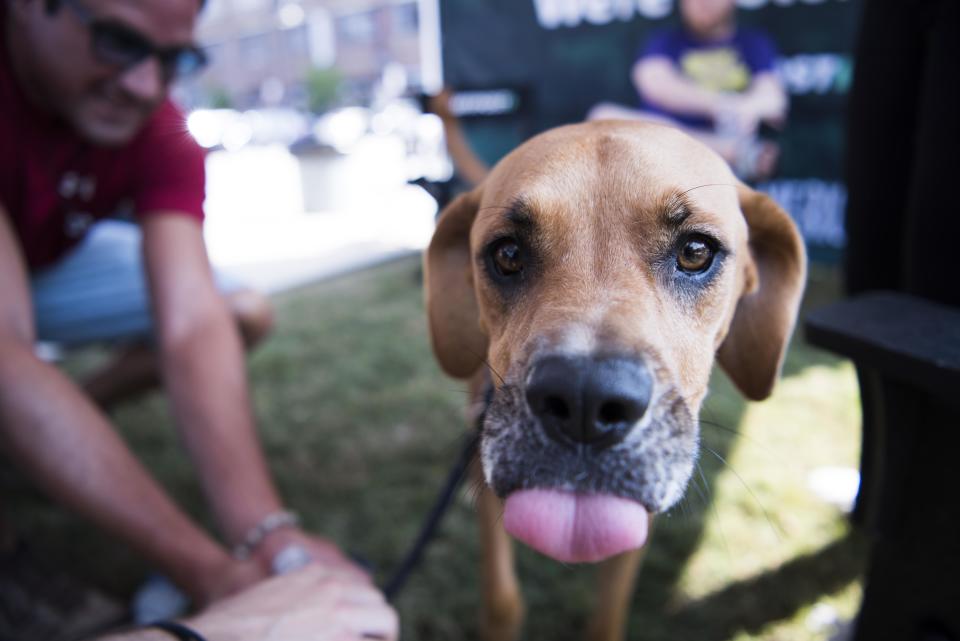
(458, 342)
(752, 352)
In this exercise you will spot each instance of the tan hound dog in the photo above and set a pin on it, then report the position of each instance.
(597, 271)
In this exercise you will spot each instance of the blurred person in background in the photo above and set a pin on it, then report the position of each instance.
(86, 131)
(713, 79)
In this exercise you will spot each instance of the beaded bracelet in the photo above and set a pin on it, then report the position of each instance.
(256, 534)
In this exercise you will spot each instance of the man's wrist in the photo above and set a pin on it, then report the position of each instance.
(283, 550)
(256, 536)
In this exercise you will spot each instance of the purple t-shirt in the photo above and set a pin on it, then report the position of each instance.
(723, 65)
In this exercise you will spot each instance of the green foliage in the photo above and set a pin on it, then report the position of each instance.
(322, 88)
(219, 98)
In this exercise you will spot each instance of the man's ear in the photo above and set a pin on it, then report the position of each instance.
(775, 273)
(452, 309)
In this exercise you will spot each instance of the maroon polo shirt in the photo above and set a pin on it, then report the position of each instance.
(54, 185)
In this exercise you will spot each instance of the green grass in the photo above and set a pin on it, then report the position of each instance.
(360, 428)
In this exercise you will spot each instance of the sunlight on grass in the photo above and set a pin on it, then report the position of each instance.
(764, 512)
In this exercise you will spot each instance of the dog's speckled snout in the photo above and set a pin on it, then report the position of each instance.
(590, 424)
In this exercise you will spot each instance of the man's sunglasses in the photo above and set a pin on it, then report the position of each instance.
(117, 44)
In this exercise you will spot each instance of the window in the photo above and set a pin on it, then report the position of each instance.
(296, 40)
(254, 50)
(356, 28)
(405, 18)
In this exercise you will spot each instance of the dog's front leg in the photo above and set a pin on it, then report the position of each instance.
(502, 613)
(615, 580)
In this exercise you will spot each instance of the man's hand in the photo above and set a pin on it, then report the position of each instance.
(312, 604)
(736, 116)
(316, 604)
(440, 104)
(322, 552)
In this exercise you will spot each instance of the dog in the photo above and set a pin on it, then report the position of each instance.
(592, 279)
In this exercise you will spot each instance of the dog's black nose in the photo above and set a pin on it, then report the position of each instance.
(595, 401)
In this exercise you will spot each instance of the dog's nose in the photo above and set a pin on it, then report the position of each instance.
(594, 401)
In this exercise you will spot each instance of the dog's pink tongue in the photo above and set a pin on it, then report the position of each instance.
(575, 528)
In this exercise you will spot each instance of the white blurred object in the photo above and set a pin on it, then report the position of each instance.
(342, 128)
(158, 599)
(254, 183)
(321, 37)
(822, 617)
(276, 125)
(835, 485)
(290, 15)
(393, 80)
(272, 91)
(397, 116)
(48, 352)
(233, 130)
(209, 126)
(290, 558)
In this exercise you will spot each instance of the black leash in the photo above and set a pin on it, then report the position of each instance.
(454, 478)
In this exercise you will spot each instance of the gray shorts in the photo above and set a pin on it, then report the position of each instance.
(98, 292)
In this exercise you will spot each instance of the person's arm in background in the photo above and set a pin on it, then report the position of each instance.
(312, 604)
(64, 444)
(204, 371)
(468, 165)
(767, 99)
(658, 80)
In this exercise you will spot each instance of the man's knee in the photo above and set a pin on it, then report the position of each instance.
(253, 314)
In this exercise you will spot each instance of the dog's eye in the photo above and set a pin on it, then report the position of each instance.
(695, 255)
(508, 258)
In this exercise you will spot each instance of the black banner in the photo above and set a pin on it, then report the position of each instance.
(564, 56)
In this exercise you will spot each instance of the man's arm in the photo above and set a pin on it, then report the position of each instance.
(203, 367)
(767, 98)
(470, 167)
(659, 81)
(66, 446)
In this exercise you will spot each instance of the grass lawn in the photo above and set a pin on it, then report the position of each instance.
(360, 427)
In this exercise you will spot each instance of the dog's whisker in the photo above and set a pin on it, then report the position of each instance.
(682, 507)
(473, 491)
(687, 191)
(494, 371)
(725, 428)
(702, 490)
(713, 506)
(484, 360)
(746, 486)
(458, 390)
(743, 435)
(681, 199)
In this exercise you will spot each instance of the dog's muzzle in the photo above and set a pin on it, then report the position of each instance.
(582, 447)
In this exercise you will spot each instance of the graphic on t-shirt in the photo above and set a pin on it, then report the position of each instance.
(716, 69)
(73, 185)
(77, 223)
